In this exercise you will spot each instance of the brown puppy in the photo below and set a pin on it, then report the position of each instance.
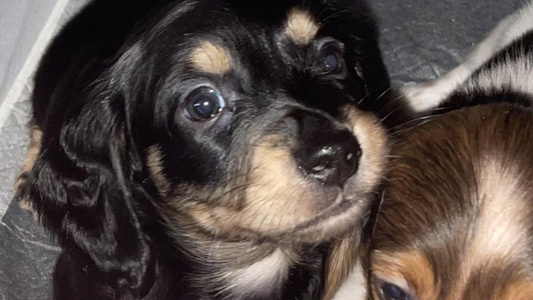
(456, 220)
(456, 217)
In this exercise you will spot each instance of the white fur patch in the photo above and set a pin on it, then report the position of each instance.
(263, 276)
(500, 230)
(429, 95)
(354, 287)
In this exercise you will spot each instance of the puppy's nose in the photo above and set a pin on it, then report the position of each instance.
(331, 158)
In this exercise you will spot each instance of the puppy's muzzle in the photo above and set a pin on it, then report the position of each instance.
(328, 152)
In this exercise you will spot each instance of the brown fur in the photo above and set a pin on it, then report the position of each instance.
(412, 266)
(456, 219)
(342, 257)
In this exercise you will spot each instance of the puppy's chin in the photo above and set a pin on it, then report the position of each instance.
(343, 215)
(307, 220)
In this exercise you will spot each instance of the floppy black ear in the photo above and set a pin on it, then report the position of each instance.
(82, 186)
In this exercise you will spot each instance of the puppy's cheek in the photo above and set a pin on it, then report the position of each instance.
(278, 196)
(372, 138)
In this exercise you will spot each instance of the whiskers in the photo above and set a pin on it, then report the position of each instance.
(405, 127)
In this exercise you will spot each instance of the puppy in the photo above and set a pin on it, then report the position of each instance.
(456, 219)
(208, 149)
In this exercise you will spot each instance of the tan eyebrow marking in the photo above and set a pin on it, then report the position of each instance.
(211, 58)
(300, 26)
(409, 266)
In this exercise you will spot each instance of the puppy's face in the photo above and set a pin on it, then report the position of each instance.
(254, 118)
(456, 218)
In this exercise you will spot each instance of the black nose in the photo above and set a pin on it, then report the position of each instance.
(330, 159)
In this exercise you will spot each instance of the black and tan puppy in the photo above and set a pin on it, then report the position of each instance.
(456, 221)
(207, 149)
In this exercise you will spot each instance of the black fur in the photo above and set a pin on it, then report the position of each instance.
(107, 89)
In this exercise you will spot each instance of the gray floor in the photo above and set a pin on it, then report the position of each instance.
(421, 39)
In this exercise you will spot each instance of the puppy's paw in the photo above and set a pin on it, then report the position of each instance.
(20, 190)
(22, 183)
(425, 96)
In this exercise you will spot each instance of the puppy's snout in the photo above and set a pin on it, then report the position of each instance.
(331, 157)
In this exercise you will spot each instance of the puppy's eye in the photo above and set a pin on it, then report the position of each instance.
(389, 291)
(331, 59)
(204, 103)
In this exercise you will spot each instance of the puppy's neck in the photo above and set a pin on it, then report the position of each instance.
(237, 269)
(263, 278)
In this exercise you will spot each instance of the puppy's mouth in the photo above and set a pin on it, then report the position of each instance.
(345, 211)
(342, 208)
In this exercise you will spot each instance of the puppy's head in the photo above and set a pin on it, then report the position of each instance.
(456, 217)
(255, 118)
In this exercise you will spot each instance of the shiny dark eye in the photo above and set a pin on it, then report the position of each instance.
(389, 291)
(332, 61)
(203, 103)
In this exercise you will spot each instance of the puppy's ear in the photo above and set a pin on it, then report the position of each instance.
(82, 186)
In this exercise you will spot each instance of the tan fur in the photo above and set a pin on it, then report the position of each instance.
(212, 58)
(300, 27)
(275, 199)
(342, 256)
(154, 163)
(409, 268)
(277, 186)
(520, 290)
(271, 197)
(372, 138)
(412, 271)
(33, 151)
(373, 142)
